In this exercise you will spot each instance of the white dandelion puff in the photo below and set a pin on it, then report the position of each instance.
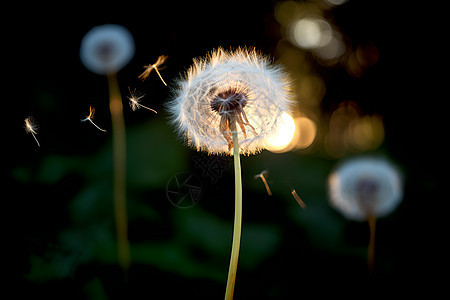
(161, 59)
(31, 127)
(365, 187)
(90, 117)
(107, 48)
(135, 98)
(230, 87)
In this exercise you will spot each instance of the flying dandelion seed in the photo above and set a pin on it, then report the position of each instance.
(90, 117)
(148, 69)
(298, 199)
(231, 87)
(263, 175)
(134, 101)
(31, 127)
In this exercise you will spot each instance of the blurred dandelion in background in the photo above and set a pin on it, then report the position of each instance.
(105, 50)
(225, 91)
(31, 127)
(364, 189)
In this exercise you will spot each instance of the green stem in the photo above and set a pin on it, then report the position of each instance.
(119, 172)
(237, 216)
(371, 250)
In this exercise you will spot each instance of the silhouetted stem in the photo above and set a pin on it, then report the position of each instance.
(237, 216)
(119, 172)
(371, 250)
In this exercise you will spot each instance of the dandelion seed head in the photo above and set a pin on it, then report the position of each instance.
(91, 113)
(239, 86)
(30, 125)
(107, 48)
(365, 187)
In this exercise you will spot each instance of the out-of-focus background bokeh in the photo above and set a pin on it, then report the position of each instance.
(353, 65)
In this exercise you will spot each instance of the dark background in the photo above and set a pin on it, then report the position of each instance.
(59, 229)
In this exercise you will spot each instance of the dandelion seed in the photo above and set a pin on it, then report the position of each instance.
(90, 117)
(263, 175)
(31, 127)
(298, 199)
(134, 101)
(161, 59)
(231, 87)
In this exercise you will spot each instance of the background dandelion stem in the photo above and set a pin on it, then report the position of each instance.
(237, 216)
(371, 250)
(119, 171)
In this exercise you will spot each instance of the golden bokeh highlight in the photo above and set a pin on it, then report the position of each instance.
(310, 90)
(310, 36)
(366, 133)
(281, 141)
(295, 133)
(349, 131)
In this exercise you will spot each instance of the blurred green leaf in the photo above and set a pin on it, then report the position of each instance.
(154, 155)
(174, 257)
(215, 236)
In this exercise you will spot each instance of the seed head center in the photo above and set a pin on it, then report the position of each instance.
(229, 102)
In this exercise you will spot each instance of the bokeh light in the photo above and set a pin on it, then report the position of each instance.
(350, 131)
(295, 133)
(282, 140)
(306, 132)
(310, 33)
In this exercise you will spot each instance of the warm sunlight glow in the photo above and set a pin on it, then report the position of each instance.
(285, 134)
(307, 132)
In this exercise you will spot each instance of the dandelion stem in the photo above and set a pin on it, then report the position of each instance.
(35, 139)
(237, 216)
(371, 250)
(156, 69)
(149, 108)
(96, 125)
(119, 172)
